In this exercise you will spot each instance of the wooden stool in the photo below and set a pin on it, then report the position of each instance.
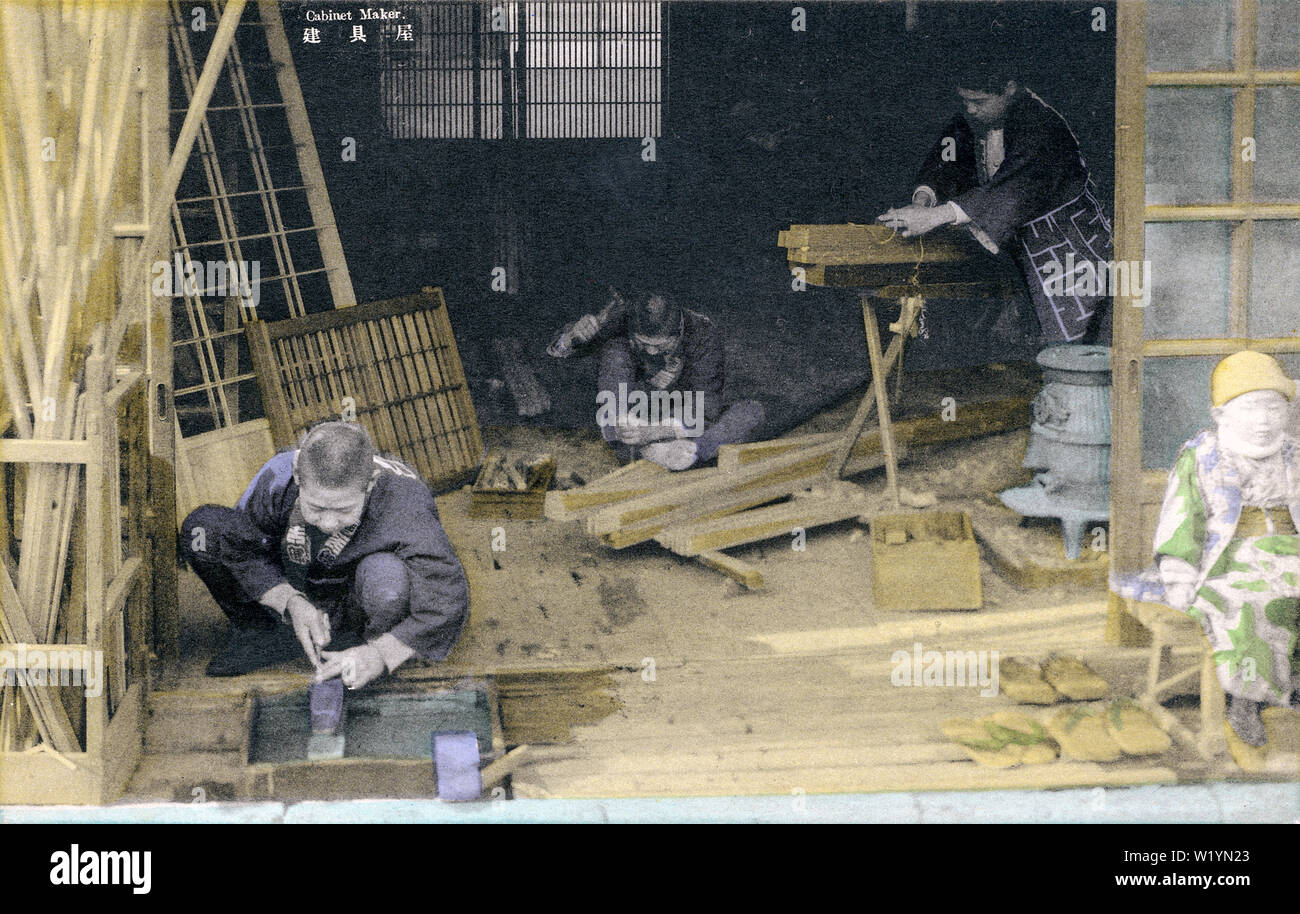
(1179, 634)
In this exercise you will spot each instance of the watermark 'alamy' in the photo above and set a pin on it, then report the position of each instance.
(1117, 278)
(210, 278)
(658, 407)
(24, 664)
(946, 668)
(77, 867)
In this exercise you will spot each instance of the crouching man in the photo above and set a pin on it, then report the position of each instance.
(335, 552)
(659, 388)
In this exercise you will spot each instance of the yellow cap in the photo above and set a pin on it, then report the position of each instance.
(1243, 372)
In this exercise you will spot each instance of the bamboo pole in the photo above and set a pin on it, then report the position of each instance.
(159, 220)
(24, 51)
(56, 323)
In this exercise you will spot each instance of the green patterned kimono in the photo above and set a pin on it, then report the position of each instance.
(1247, 587)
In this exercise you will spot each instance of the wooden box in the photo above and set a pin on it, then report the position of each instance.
(507, 503)
(925, 561)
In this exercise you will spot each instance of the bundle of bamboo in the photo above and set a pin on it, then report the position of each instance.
(73, 117)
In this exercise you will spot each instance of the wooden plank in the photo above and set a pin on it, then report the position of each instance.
(748, 487)
(215, 467)
(40, 778)
(574, 780)
(582, 502)
(763, 523)
(123, 744)
(1128, 550)
(44, 450)
(731, 456)
(739, 571)
(850, 243)
(906, 631)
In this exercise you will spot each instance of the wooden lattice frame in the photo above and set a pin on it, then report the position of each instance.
(397, 361)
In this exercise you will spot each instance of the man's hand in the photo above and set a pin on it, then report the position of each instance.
(310, 625)
(358, 666)
(916, 219)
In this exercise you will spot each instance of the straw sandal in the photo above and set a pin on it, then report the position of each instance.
(1003, 740)
(1083, 735)
(1074, 679)
(1021, 680)
(1025, 734)
(1134, 729)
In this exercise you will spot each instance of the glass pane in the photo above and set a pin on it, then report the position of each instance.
(1278, 44)
(1189, 280)
(1277, 148)
(1188, 145)
(1274, 280)
(1175, 405)
(1189, 35)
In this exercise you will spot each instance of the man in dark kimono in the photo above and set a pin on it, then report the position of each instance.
(331, 546)
(650, 348)
(1009, 168)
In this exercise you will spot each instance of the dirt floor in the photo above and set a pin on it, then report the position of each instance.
(714, 689)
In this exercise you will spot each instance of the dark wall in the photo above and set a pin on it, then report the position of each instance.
(764, 127)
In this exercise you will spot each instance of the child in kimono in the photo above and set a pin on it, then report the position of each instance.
(333, 551)
(1226, 547)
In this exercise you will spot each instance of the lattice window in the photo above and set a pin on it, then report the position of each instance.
(1209, 194)
(525, 70)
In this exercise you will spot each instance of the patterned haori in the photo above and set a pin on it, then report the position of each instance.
(1247, 577)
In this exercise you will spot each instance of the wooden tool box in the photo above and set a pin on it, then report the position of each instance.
(507, 490)
(925, 561)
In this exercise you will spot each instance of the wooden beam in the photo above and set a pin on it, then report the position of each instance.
(43, 450)
(741, 572)
(318, 198)
(764, 523)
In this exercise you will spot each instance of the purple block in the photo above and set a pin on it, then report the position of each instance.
(455, 765)
(326, 706)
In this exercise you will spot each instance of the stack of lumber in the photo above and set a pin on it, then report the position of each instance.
(531, 399)
(872, 255)
(757, 491)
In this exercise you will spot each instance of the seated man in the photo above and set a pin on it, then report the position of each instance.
(330, 546)
(660, 383)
